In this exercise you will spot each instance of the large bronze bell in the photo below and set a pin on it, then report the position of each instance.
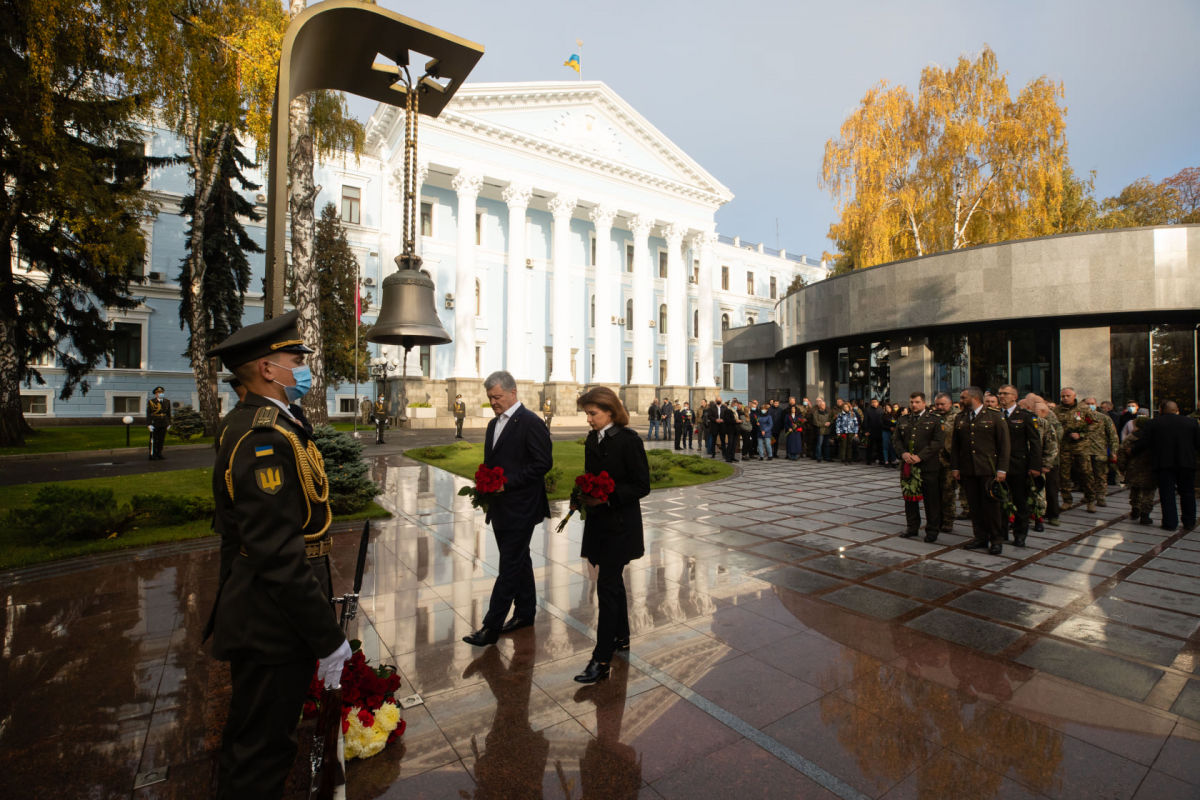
(407, 314)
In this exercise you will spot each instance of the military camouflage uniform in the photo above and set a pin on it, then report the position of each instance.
(1102, 440)
(949, 485)
(1075, 460)
(1139, 476)
(1048, 428)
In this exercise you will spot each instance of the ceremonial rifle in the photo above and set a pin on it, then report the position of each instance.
(327, 773)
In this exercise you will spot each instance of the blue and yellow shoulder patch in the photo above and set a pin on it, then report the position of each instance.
(264, 450)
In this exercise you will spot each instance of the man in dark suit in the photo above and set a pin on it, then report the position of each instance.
(1173, 440)
(684, 422)
(272, 619)
(919, 440)
(979, 454)
(727, 426)
(519, 443)
(1025, 459)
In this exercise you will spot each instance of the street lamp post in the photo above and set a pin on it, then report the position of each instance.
(380, 369)
(128, 420)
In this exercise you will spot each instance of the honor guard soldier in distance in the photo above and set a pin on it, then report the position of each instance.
(158, 418)
(460, 414)
(272, 619)
(379, 417)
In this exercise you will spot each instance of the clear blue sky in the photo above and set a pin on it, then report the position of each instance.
(753, 90)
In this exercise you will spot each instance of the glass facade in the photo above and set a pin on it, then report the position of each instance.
(950, 362)
(1026, 358)
(863, 372)
(1155, 363)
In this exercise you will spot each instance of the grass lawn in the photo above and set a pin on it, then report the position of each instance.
(14, 553)
(68, 438)
(463, 458)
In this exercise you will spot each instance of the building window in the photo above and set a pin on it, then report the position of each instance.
(478, 298)
(724, 322)
(725, 278)
(549, 362)
(478, 358)
(628, 369)
(662, 264)
(750, 319)
(592, 371)
(593, 250)
(127, 404)
(750, 283)
(478, 227)
(774, 288)
(346, 405)
(662, 318)
(696, 324)
(592, 312)
(662, 373)
(427, 219)
(629, 258)
(34, 404)
(425, 360)
(695, 272)
(726, 376)
(695, 372)
(351, 204)
(127, 345)
(629, 314)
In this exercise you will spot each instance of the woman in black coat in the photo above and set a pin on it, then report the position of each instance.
(612, 532)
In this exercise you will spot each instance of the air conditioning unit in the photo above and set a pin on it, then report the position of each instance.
(651, 323)
(693, 279)
(449, 300)
(368, 281)
(155, 276)
(529, 263)
(260, 198)
(621, 321)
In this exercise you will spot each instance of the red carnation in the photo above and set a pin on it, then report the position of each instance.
(345, 724)
(366, 718)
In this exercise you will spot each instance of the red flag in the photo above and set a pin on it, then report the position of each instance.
(358, 304)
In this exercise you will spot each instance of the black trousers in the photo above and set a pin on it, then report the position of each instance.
(727, 439)
(614, 610)
(1053, 497)
(683, 436)
(158, 436)
(379, 426)
(259, 743)
(1018, 489)
(1183, 483)
(985, 512)
(458, 423)
(931, 491)
(514, 585)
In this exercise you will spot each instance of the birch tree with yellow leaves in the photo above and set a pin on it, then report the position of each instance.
(960, 165)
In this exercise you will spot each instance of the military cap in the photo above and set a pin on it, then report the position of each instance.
(158, 389)
(275, 335)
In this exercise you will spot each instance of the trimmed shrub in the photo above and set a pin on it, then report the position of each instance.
(429, 453)
(552, 478)
(60, 514)
(186, 423)
(350, 489)
(702, 467)
(162, 509)
(659, 472)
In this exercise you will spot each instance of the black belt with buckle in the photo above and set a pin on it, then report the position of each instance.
(318, 549)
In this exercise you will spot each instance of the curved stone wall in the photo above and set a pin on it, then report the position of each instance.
(1075, 275)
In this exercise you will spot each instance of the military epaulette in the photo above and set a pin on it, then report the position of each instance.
(265, 417)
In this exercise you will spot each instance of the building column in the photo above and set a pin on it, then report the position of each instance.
(676, 307)
(703, 243)
(467, 185)
(643, 297)
(515, 355)
(607, 283)
(562, 207)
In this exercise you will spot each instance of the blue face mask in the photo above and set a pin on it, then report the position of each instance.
(303, 377)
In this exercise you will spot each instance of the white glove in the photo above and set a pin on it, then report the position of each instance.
(329, 668)
(150, 427)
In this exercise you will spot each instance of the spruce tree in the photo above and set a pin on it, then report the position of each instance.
(337, 274)
(221, 290)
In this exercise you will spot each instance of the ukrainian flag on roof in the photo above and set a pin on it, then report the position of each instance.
(572, 62)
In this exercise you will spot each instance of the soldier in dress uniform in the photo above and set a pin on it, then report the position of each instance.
(1103, 444)
(1025, 460)
(272, 619)
(943, 406)
(1075, 461)
(919, 438)
(460, 415)
(379, 417)
(158, 418)
(978, 456)
(547, 411)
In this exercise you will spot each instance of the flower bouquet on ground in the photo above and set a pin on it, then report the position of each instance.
(370, 714)
(488, 481)
(587, 485)
(911, 483)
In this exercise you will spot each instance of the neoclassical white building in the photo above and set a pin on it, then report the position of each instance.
(570, 242)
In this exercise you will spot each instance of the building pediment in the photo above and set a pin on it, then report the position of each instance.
(585, 123)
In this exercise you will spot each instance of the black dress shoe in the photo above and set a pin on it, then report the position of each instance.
(621, 644)
(975, 544)
(1145, 519)
(1038, 526)
(996, 549)
(909, 535)
(515, 624)
(482, 637)
(1019, 542)
(594, 671)
(931, 537)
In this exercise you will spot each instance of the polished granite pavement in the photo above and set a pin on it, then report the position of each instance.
(786, 643)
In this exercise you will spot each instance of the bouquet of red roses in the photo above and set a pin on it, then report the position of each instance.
(488, 481)
(911, 483)
(370, 714)
(587, 485)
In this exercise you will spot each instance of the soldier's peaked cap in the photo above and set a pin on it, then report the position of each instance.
(262, 339)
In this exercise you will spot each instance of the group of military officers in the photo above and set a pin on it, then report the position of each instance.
(1008, 460)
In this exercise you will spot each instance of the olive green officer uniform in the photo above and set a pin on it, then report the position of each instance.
(1075, 460)
(923, 436)
(1025, 441)
(272, 619)
(158, 417)
(981, 449)
(460, 416)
